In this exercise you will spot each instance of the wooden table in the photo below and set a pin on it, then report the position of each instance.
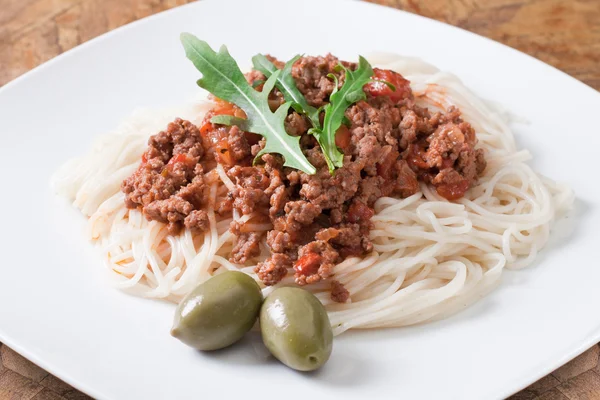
(563, 33)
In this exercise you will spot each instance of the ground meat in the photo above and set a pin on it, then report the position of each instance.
(446, 143)
(336, 215)
(311, 76)
(277, 190)
(255, 77)
(450, 184)
(168, 185)
(329, 191)
(278, 200)
(171, 211)
(249, 193)
(406, 180)
(315, 262)
(246, 247)
(339, 293)
(301, 212)
(197, 220)
(274, 269)
(224, 206)
(377, 117)
(348, 239)
(389, 144)
(296, 124)
(196, 191)
(370, 189)
(447, 157)
(238, 144)
(280, 242)
(360, 213)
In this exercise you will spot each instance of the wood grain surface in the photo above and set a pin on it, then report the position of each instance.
(563, 33)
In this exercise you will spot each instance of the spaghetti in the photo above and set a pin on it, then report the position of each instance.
(430, 258)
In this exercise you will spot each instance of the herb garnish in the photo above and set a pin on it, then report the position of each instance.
(339, 101)
(350, 92)
(285, 82)
(222, 77)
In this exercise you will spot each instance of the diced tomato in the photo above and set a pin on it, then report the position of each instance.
(359, 212)
(453, 191)
(416, 157)
(207, 126)
(385, 167)
(342, 137)
(144, 158)
(221, 108)
(308, 264)
(381, 89)
(223, 153)
(213, 136)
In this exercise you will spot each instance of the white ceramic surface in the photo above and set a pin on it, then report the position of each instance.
(57, 310)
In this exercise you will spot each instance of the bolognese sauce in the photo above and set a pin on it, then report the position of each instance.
(389, 145)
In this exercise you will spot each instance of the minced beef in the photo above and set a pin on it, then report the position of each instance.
(311, 77)
(274, 269)
(339, 293)
(389, 145)
(315, 262)
(168, 185)
(246, 247)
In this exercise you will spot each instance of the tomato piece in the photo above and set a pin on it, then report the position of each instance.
(308, 264)
(215, 136)
(453, 191)
(223, 153)
(359, 211)
(342, 137)
(221, 108)
(144, 158)
(226, 108)
(375, 89)
(207, 126)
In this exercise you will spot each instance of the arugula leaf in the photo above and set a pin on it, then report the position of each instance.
(222, 77)
(339, 101)
(231, 120)
(287, 85)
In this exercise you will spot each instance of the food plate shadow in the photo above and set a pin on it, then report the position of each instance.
(344, 370)
(248, 351)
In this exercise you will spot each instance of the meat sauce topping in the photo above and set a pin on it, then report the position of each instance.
(389, 145)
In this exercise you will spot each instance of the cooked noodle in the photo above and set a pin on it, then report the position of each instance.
(431, 257)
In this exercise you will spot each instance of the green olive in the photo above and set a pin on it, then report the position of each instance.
(296, 329)
(218, 312)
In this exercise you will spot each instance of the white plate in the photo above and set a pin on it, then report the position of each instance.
(55, 305)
